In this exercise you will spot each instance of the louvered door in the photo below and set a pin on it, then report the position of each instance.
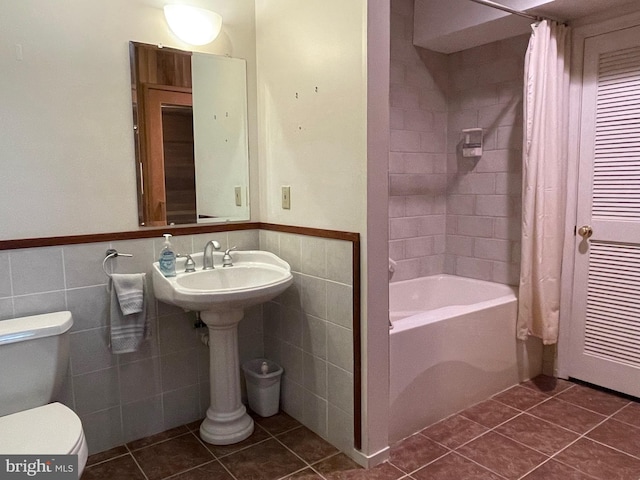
(605, 333)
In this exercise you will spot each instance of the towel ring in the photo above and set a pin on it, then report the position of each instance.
(112, 253)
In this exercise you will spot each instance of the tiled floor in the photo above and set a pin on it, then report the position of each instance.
(540, 430)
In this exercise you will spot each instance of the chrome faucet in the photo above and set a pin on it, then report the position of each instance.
(227, 261)
(207, 260)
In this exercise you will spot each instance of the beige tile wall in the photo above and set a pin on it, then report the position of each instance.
(449, 214)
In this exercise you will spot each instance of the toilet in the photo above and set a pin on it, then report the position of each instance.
(34, 355)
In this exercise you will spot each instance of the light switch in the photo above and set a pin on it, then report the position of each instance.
(238, 191)
(286, 197)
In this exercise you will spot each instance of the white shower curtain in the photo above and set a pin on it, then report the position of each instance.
(546, 112)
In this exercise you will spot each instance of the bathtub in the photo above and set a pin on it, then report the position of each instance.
(453, 343)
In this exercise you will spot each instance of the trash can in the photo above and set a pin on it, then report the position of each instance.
(263, 386)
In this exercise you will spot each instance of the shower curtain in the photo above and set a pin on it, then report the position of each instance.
(546, 112)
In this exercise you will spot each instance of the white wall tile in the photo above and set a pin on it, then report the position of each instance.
(314, 296)
(315, 375)
(96, 390)
(141, 419)
(36, 270)
(181, 406)
(314, 336)
(315, 413)
(89, 307)
(340, 388)
(38, 303)
(313, 253)
(140, 380)
(179, 369)
(103, 430)
(90, 351)
(339, 261)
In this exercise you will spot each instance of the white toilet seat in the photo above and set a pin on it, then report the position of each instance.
(49, 429)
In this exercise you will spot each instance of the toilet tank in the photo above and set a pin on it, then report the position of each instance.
(34, 356)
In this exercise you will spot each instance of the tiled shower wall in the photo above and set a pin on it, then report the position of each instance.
(484, 194)
(459, 216)
(124, 397)
(417, 160)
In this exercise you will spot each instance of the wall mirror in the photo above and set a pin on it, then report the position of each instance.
(190, 135)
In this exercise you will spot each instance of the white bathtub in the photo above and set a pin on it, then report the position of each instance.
(453, 344)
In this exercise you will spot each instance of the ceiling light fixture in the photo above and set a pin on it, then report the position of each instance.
(193, 25)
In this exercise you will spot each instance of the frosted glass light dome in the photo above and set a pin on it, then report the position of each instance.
(193, 25)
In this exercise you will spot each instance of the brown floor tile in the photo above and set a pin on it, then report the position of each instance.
(600, 461)
(172, 456)
(122, 468)
(195, 426)
(415, 452)
(547, 385)
(107, 455)
(553, 470)
(454, 431)
(307, 445)
(306, 474)
(502, 455)
(209, 471)
(157, 438)
(266, 461)
(341, 467)
(520, 397)
(537, 434)
(629, 414)
(489, 413)
(594, 400)
(258, 435)
(567, 415)
(453, 466)
(276, 424)
(618, 435)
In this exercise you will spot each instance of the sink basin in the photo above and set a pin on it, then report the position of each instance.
(255, 277)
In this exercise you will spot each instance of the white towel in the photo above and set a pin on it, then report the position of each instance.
(128, 313)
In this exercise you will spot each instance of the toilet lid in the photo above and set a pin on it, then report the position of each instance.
(50, 429)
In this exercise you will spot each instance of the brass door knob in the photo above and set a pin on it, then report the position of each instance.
(585, 231)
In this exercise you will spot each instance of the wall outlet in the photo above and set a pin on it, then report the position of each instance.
(238, 191)
(286, 197)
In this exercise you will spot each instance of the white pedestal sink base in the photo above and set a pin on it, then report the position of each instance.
(227, 420)
(221, 429)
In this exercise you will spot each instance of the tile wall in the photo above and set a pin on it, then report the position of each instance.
(418, 143)
(309, 331)
(125, 397)
(484, 195)
(449, 214)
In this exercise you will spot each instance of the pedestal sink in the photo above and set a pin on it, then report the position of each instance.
(221, 295)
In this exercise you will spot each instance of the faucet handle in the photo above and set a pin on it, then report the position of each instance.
(227, 261)
(190, 265)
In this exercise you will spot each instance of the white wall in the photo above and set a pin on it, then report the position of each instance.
(312, 140)
(66, 125)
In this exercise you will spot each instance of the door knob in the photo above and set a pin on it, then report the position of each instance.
(585, 231)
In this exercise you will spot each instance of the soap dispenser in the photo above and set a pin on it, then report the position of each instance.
(167, 260)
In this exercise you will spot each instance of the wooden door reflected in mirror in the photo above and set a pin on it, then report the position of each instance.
(171, 194)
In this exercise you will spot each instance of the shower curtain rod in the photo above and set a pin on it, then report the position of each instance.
(504, 8)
